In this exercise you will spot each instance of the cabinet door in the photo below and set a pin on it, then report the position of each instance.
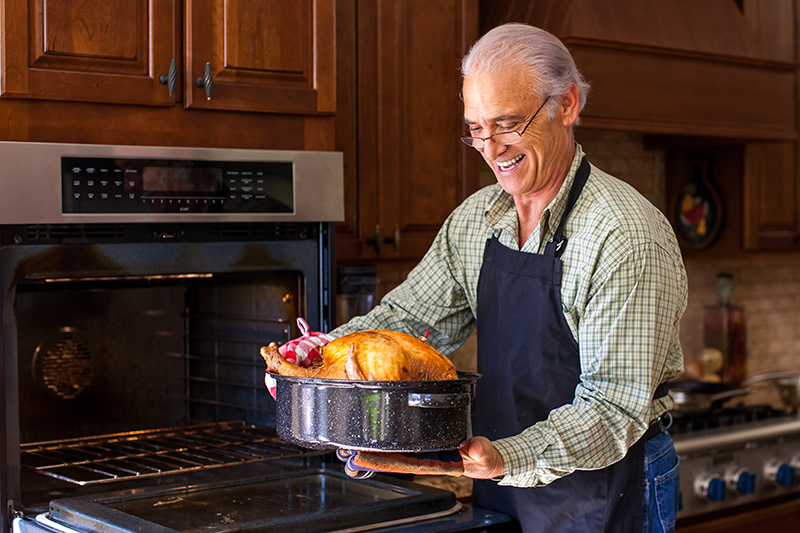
(771, 203)
(110, 51)
(261, 55)
(405, 167)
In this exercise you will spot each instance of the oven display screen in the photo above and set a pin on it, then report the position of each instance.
(181, 179)
(115, 185)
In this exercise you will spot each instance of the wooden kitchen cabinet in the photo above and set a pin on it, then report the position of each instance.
(771, 205)
(101, 51)
(265, 55)
(398, 123)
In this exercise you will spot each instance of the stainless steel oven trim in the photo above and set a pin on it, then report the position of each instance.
(726, 438)
(30, 183)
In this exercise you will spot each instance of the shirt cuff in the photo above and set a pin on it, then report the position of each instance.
(519, 462)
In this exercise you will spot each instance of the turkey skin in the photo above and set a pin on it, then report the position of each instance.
(375, 355)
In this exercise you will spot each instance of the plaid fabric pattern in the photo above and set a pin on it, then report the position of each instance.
(623, 293)
(301, 351)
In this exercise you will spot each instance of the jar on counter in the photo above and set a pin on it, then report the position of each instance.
(724, 356)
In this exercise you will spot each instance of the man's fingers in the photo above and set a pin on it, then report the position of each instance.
(476, 449)
(481, 460)
(473, 449)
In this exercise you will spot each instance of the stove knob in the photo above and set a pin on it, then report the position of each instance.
(741, 481)
(711, 487)
(780, 473)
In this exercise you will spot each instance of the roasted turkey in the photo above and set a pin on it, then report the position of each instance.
(377, 355)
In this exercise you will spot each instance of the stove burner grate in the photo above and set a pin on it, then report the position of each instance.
(718, 417)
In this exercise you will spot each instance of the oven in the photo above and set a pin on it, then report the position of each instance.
(138, 285)
(738, 468)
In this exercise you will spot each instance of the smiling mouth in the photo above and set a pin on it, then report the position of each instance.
(511, 163)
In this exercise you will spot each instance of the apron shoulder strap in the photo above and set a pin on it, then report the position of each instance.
(556, 246)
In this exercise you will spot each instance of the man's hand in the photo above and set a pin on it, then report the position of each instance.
(481, 459)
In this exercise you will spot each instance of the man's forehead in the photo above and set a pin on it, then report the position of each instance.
(496, 94)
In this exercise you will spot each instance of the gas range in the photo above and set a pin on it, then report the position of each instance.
(736, 456)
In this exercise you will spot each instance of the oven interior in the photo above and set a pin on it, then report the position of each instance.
(167, 370)
(120, 356)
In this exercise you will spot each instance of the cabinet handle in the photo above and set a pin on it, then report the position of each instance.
(171, 78)
(377, 242)
(206, 81)
(395, 239)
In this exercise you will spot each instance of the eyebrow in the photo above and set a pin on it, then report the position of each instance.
(495, 120)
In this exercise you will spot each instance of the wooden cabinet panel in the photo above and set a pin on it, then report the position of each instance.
(99, 51)
(771, 203)
(663, 93)
(266, 55)
(98, 36)
(405, 168)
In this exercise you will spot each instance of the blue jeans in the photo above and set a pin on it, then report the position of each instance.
(661, 489)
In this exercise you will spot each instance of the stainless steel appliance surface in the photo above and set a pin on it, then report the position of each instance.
(138, 284)
(735, 458)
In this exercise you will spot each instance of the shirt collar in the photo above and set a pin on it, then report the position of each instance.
(501, 214)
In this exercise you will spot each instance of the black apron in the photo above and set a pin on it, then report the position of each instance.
(530, 365)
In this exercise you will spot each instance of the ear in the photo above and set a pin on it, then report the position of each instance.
(570, 106)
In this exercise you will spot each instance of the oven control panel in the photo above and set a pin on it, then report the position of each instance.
(104, 185)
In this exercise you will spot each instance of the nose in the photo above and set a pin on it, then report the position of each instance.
(492, 149)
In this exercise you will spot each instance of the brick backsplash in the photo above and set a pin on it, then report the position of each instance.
(767, 289)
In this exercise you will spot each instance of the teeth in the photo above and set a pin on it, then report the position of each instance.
(511, 163)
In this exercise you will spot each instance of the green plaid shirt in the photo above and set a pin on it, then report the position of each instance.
(623, 293)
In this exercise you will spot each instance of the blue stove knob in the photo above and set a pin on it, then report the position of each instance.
(785, 475)
(716, 490)
(746, 484)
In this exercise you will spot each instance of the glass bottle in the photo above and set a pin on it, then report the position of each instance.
(725, 335)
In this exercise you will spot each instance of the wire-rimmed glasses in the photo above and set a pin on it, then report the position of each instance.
(504, 138)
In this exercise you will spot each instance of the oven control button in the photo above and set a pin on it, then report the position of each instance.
(710, 487)
(779, 472)
(741, 481)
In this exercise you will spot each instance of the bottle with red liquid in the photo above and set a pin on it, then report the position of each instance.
(725, 336)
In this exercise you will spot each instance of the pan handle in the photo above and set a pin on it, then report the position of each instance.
(417, 399)
(768, 377)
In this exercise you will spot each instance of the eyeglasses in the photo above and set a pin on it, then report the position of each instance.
(505, 138)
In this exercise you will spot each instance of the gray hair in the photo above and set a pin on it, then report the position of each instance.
(546, 57)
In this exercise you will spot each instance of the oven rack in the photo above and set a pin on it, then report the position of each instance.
(157, 452)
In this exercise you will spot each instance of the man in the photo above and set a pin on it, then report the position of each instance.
(576, 286)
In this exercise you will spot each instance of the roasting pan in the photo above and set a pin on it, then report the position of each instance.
(398, 416)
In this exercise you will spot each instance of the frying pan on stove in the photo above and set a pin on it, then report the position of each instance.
(398, 416)
(692, 397)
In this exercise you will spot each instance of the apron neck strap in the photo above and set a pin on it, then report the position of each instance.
(555, 247)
